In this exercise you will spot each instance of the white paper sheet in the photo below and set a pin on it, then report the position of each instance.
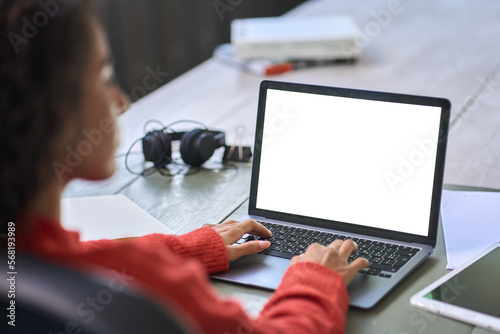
(471, 223)
(108, 217)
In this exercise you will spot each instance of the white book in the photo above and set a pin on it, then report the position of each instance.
(292, 37)
(267, 67)
(108, 217)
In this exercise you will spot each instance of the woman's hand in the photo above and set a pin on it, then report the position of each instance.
(335, 256)
(232, 231)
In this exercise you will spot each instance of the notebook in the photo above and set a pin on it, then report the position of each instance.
(343, 163)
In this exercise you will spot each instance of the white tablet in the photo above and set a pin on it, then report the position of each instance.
(470, 293)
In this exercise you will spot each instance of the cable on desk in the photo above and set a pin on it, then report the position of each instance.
(168, 126)
(160, 167)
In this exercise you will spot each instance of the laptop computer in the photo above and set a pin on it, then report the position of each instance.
(343, 163)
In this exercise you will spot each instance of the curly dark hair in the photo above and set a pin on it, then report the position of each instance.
(44, 52)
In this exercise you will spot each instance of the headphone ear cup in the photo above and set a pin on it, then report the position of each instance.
(197, 146)
(157, 148)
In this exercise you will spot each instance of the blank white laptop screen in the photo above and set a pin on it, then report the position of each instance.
(363, 162)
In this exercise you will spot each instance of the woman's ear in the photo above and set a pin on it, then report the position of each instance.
(121, 102)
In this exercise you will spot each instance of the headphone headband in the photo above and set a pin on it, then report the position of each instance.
(176, 135)
(219, 136)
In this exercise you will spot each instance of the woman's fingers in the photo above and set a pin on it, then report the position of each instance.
(359, 264)
(336, 257)
(347, 247)
(255, 228)
(232, 230)
(252, 247)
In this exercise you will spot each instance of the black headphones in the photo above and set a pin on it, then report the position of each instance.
(197, 146)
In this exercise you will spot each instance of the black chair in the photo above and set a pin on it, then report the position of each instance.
(53, 299)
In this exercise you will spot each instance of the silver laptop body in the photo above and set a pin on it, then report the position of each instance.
(360, 164)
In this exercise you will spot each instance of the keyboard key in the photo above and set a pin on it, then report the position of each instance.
(383, 267)
(277, 247)
(388, 262)
(373, 272)
(302, 247)
(279, 254)
(404, 252)
(364, 252)
(401, 261)
(281, 236)
(304, 241)
(392, 256)
(380, 254)
(329, 239)
(324, 242)
(385, 275)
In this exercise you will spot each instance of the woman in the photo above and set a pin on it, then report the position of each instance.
(57, 85)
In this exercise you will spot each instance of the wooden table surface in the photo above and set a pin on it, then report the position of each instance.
(442, 48)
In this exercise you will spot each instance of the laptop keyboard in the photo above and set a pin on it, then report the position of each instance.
(288, 241)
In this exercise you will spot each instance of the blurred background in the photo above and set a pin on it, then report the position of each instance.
(173, 36)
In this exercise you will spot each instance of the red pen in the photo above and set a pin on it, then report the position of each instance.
(278, 68)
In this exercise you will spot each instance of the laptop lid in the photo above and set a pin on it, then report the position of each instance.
(350, 160)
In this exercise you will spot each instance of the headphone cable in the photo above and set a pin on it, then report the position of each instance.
(168, 126)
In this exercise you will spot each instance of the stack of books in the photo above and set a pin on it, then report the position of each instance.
(273, 45)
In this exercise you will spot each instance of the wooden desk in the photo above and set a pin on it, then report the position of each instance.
(438, 48)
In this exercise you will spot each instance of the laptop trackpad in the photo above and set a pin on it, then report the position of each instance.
(256, 270)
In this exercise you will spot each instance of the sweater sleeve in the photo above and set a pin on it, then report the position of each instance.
(311, 299)
(203, 244)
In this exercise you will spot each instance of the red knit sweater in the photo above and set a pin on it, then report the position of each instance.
(310, 299)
